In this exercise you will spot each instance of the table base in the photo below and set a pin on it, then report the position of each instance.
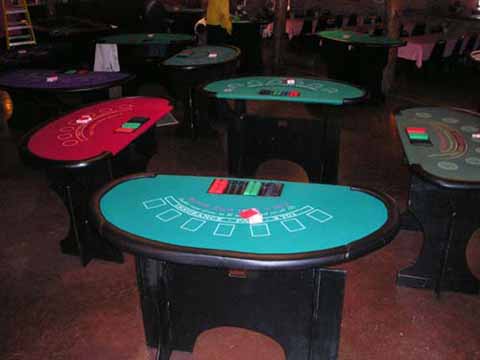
(75, 185)
(299, 309)
(448, 219)
(182, 83)
(360, 65)
(312, 143)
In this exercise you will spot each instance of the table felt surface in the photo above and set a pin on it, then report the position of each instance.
(146, 39)
(311, 90)
(352, 37)
(67, 25)
(454, 153)
(64, 139)
(177, 210)
(200, 55)
(25, 55)
(37, 79)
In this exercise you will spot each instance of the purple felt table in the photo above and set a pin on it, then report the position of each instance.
(36, 80)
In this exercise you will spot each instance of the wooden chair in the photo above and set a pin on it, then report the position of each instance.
(231, 343)
(286, 170)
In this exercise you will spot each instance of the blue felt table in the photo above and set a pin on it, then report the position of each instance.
(36, 79)
(179, 211)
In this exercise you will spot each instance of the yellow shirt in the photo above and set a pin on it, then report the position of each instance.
(218, 13)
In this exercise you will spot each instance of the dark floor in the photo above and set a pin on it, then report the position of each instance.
(53, 308)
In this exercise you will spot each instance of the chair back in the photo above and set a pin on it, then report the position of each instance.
(437, 52)
(458, 46)
(321, 24)
(352, 20)
(472, 40)
(339, 21)
(306, 27)
(331, 22)
(418, 29)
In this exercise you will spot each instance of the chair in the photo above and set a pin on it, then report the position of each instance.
(331, 22)
(403, 32)
(306, 27)
(286, 170)
(352, 20)
(321, 24)
(436, 59)
(419, 29)
(455, 55)
(470, 46)
(156, 17)
(339, 21)
(232, 343)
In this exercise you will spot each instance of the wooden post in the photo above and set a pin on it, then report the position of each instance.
(279, 30)
(392, 27)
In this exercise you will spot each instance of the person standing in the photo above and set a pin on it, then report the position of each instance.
(219, 23)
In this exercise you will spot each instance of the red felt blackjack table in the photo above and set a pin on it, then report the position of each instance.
(84, 149)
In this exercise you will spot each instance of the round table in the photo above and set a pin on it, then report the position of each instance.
(201, 263)
(193, 66)
(74, 34)
(135, 49)
(36, 88)
(312, 143)
(357, 58)
(42, 55)
(86, 148)
(442, 147)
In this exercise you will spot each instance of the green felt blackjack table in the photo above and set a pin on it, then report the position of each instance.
(357, 58)
(201, 263)
(192, 66)
(442, 147)
(313, 143)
